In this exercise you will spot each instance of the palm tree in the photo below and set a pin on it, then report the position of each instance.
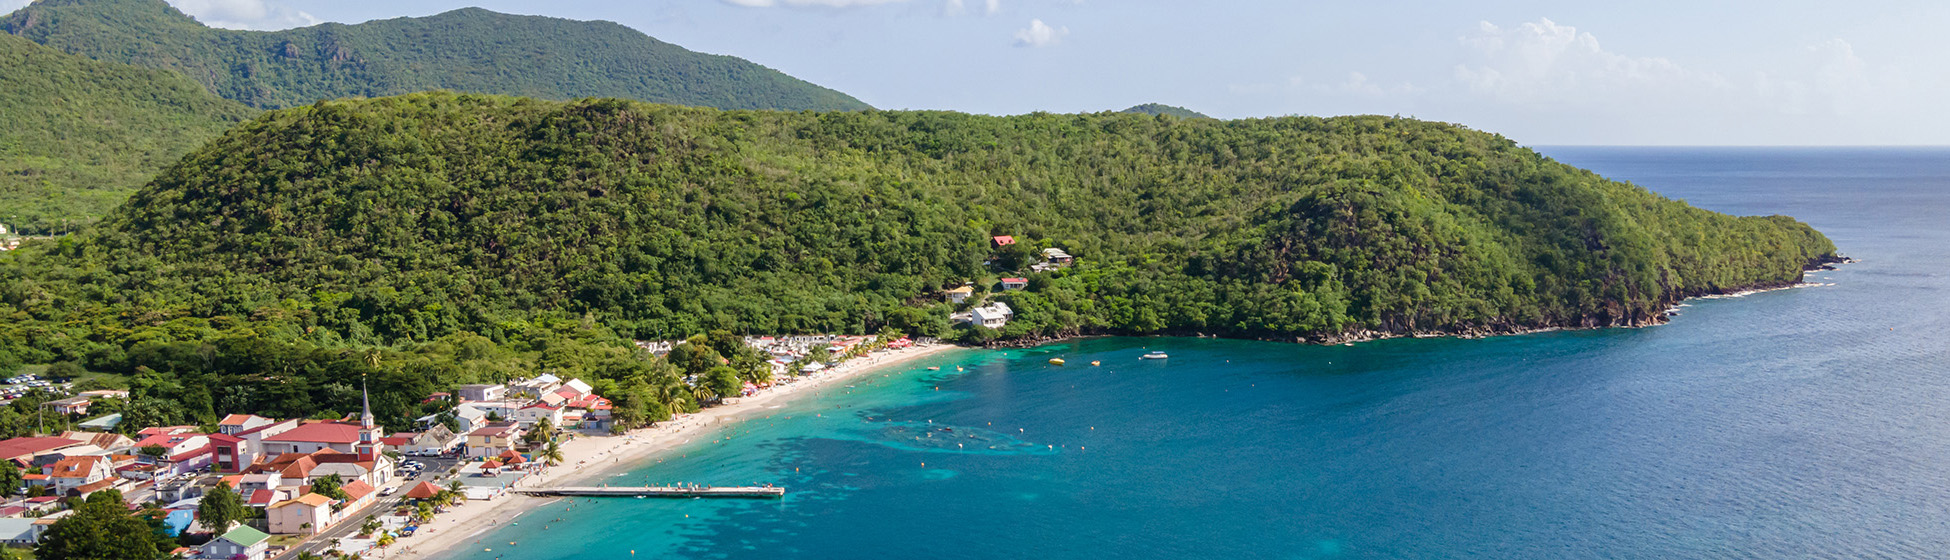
(455, 486)
(672, 395)
(702, 391)
(552, 454)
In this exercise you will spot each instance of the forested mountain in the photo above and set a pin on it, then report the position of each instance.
(435, 239)
(471, 50)
(1163, 109)
(80, 135)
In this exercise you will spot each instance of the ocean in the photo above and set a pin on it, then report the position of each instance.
(1803, 423)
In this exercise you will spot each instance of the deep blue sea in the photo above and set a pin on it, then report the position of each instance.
(1804, 423)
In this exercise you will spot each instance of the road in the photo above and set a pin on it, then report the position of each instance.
(321, 542)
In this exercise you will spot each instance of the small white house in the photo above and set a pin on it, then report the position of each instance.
(994, 315)
(960, 294)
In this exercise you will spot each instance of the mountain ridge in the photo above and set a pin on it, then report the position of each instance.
(466, 49)
(661, 221)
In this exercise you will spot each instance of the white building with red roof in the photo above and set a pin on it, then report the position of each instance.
(182, 450)
(342, 436)
(74, 476)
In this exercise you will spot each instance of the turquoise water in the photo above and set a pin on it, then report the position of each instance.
(1806, 423)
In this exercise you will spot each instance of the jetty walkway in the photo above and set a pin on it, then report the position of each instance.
(769, 492)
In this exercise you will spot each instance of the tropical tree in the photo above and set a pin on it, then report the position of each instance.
(723, 381)
(544, 431)
(552, 454)
(101, 527)
(330, 486)
(10, 478)
(220, 507)
(366, 528)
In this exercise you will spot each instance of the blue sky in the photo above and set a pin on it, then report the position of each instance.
(1694, 72)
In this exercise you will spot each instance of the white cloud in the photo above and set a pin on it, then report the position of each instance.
(812, 3)
(1545, 61)
(245, 14)
(1040, 34)
(960, 7)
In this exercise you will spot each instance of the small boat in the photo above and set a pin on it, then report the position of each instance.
(1096, 363)
(934, 368)
(1154, 356)
(1056, 361)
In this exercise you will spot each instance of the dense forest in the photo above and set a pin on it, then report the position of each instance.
(441, 238)
(81, 135)
(1163, 109)
(470, 50)
(84, 129)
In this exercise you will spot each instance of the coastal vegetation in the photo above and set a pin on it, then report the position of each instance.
(434, 239)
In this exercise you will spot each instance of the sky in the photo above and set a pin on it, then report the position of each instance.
(1648, 72)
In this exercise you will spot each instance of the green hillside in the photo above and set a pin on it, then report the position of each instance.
(471, 50)
(80, 135)
(436, 239)
(417, 216)
(1163, 109)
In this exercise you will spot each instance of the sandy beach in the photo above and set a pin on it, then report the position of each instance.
(593, 456)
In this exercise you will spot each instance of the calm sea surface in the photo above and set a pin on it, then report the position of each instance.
(1806, 423)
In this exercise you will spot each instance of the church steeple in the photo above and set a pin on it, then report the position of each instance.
(365, 398)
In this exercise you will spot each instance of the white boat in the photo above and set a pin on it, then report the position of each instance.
(1154, 356)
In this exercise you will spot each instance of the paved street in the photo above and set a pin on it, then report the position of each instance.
(436, 468)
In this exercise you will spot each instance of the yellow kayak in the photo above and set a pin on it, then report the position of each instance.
(1056, 361)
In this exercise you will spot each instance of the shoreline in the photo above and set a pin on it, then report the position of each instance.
(590, 457)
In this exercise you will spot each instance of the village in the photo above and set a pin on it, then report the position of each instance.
(338, 487)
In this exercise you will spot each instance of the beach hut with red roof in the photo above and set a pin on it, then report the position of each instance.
(423, 491)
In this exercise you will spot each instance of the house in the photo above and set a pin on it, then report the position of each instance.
(590, 411)
(1057, 256)
(73, 406)
(333, 435)
(241, 542)
(303, 515)
(579, 386)
(110, 443)
(102, 424)
(174, 450)
(358, 494)
(298, 469)
(240, 441)
(106, 394)
(959, 295)
(533, 414)
(79, 476)
(1003, 240)
(433, 441)
(24, 449)
(238, 423)
(994, 315)
(493, 439)
(17, 531)
(478, 393)
(1014, 283)
(535, 387)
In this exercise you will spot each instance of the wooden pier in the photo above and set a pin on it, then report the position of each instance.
(765, 492)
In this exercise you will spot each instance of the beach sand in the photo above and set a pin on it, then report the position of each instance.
(588, 457)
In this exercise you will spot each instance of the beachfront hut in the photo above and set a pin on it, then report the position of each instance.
(423, 491)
